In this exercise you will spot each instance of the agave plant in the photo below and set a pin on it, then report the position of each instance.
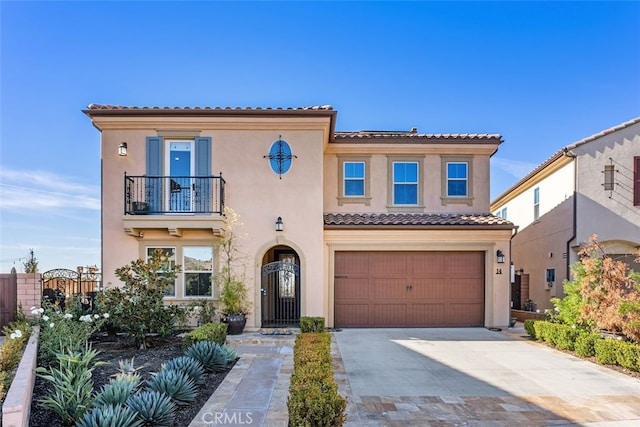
(154, 409)
(188, 365)
(175, 384)
(109, 416)
(230, 353)
(117, 391)
(210, 354)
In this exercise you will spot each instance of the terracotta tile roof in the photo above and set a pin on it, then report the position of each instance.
(414, 220)
(372, 136)
(93, 107)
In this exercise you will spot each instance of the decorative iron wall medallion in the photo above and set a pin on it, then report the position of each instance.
(280, 157)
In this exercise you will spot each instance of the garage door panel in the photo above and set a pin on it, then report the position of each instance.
(352, 288)
(353, 315)
(389, 315)
(386, 263)
(355, 263)
(388, 289)
(428, 288)
(428, 263)
(428, 314)
(409, 289)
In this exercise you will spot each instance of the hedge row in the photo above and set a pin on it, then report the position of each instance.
(313, 393)
(606, 351)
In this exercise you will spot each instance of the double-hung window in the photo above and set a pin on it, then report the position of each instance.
(536, 203)
(198, 271)
(354, 179)
(457, 178)
(405, 183)
(170, 254)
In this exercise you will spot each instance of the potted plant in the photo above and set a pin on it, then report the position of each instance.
(234, 303)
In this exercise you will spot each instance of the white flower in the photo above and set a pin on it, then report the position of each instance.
(12, 336)
(16, 334)
(51, 325)
(106, 315)
(96, 316)
(68, 316)
(33, 308)
(41, 310)
(85, 318)
(45, 317)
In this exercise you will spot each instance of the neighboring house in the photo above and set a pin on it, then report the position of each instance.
(363, 228)
(589, 187)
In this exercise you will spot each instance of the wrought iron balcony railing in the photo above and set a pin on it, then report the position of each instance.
(155, 195)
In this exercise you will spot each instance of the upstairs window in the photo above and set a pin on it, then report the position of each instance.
(609, 171)
(405, 183)
(536, 204)
(354, 179)
(457, 178)
(503, 213)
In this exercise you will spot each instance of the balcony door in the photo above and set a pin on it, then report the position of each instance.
(180, 172)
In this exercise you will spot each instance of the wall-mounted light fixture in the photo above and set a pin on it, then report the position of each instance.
(122, 149)
(279, 224)
(499, 256)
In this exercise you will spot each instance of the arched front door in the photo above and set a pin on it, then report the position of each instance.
(280, 288)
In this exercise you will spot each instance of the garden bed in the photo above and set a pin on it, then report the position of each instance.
(115, 348)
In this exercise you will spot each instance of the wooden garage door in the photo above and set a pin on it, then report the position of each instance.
(382, 289)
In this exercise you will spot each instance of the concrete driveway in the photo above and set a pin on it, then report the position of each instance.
(474, 376)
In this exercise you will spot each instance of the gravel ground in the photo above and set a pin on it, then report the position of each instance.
(115, 348)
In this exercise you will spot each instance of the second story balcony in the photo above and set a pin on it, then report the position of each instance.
(173, 203)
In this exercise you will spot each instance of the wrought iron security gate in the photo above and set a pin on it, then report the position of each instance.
(281, 294)
(60, 283)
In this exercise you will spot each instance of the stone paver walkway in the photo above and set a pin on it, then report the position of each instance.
(255, 392)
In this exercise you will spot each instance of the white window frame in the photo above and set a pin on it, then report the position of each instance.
(346, 179)
(416, 183)
(354, 158)
(466, 179)
(185, 272)
(167, 173)
(536, 203)
(149, 249)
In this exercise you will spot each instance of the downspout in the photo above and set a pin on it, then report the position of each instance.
(568, 153)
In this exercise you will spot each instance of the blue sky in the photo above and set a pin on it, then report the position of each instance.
(542, 74)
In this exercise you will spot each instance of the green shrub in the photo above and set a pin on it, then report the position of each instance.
(174, 384)
(188, 365)
(564, 336)
(216, 332)
(541, 329)
(311, 324)
(529, 327)
(210, 355)
(72, 393)
(4, 385)
(154, 409)
(585, 344)
(606, 351)
(313, 393)
(628, 355)
(138, 307)
(109, 416)
(62, 332)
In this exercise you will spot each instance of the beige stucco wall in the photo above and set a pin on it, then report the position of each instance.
(497, 288)
(608, 214)
(432, 175)
(253, 190)
(543, 245)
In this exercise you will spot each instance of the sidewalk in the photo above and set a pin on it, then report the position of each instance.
(255, 392)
